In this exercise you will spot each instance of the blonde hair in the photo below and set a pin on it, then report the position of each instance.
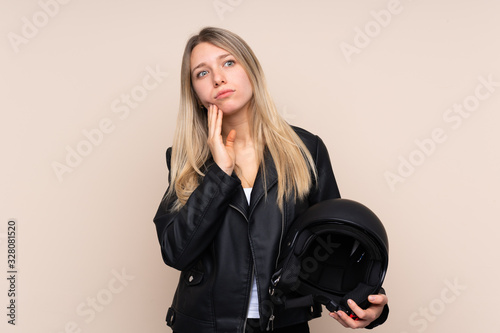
(190, 150)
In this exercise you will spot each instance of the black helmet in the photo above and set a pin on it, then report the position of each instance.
(337, 250)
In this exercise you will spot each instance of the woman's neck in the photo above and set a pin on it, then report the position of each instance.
(241, 124)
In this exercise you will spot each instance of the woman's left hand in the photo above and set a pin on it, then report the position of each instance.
(365, 317)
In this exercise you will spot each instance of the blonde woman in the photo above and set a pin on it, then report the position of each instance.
(238, 176)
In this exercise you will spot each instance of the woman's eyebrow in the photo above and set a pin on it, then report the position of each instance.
(222, 56)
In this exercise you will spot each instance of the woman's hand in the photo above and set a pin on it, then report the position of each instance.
(365, 316)
(223, 154)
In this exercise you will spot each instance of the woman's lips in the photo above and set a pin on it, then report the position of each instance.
(224, 93)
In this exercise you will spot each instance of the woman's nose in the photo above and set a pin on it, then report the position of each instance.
(219, 79)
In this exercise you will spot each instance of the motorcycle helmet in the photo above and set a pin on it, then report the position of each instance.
(337, 250)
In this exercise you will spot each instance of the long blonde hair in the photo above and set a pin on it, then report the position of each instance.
(190, 150)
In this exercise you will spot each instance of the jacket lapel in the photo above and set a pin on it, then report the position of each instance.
(258, 190)
(239, 201)
(271, 177)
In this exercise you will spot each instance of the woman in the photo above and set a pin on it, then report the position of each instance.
(233, 193)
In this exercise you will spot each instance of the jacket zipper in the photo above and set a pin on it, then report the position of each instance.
(253, 270)
(246, 315)
(281, 236)
(270, 323)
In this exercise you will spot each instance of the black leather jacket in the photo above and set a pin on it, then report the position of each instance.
(219, 242)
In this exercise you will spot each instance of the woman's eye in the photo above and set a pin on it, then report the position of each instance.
(201, 74)
(229, 63)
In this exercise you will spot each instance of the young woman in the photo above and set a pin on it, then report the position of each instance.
(239, 175)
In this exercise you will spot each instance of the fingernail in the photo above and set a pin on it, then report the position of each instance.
(339, 314)
(371, 298)
(349, 301)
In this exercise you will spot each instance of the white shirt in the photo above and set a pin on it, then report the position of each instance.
(253, 305)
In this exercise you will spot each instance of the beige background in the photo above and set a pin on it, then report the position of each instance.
(376, 91)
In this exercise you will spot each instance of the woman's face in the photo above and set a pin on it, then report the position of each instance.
(219, 79)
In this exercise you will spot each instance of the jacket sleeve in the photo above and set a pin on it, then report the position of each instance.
(186, 233)
(326, 186)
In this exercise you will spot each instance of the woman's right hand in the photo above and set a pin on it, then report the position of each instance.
(223, 154)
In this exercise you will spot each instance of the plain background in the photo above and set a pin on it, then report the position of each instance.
(374, 79)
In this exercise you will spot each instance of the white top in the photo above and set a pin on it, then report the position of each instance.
(248, 192)
(253, 305)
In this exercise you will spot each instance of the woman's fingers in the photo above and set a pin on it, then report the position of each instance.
(211, 125)
(230, 139)
(335, 315)
(364, 317)
(223, 154)
(218, 122)
(379, 299)
(214, 124)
